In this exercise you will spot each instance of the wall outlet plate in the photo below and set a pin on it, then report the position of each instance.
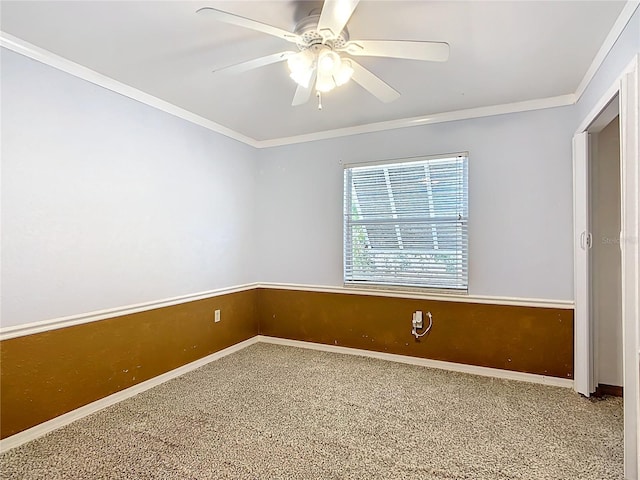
(417, 319)
(216, 316)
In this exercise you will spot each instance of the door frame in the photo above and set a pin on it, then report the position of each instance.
(583, 335)
(627, 87)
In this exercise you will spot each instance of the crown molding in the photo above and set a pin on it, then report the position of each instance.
(41, 55)
(490, 111)
(44, 56)
(618, 27)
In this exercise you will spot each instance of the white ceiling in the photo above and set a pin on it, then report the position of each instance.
(501, 52)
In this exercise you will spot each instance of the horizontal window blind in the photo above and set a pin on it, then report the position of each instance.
(405, 224)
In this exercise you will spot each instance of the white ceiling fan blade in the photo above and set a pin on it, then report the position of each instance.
(302, 95)
(255, 63)
(373, 84)
(334, 16)
(428, 51)
(248, 23)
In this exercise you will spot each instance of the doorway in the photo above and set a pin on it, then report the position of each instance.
(604, 253)
(623, 95)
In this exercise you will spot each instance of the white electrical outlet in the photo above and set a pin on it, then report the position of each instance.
(216, 316)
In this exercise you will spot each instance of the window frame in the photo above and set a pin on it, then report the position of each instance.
(377, 285)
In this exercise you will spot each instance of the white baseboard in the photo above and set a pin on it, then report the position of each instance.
(67, 418)
(425, 362)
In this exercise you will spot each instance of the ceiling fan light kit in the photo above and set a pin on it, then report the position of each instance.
(331, 70)
(301, 65)
(344, 73)
(321, 39)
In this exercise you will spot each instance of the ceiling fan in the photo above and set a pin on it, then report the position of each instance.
(324, 60)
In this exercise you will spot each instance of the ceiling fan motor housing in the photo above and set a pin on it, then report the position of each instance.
(307, 30)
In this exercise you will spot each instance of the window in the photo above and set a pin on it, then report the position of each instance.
(405, 223)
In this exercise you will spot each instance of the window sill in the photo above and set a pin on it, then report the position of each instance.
(428, 291)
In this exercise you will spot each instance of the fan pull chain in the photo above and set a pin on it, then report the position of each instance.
(319, 95)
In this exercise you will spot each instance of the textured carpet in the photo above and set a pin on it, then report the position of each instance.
(273, 412)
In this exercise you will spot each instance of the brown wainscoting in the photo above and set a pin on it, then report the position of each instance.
(51, 373)
(523, 339)
(48, 374)
(611, 390)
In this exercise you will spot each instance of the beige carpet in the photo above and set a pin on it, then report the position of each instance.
(273, 412)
